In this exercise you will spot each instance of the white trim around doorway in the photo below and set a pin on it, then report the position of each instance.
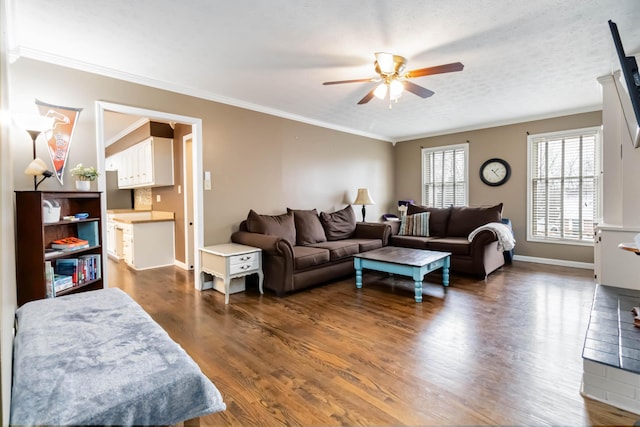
(196, 126)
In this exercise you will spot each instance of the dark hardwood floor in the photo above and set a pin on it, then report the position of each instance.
(505, 351)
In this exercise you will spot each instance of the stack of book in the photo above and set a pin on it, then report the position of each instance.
(70, 244)
(56, 282)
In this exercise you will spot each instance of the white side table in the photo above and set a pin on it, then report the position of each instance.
(230, 260)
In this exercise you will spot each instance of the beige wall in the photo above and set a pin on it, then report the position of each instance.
(256, 160)
(509, 143)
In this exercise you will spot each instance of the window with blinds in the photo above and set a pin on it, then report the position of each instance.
(563, 190)
(445, 176)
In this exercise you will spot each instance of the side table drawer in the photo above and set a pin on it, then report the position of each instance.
(247, 265)
(243, 259)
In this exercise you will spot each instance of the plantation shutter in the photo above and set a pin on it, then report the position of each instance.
(564, 185)
(444, 171)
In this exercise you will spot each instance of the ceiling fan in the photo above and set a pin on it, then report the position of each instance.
(394, 80)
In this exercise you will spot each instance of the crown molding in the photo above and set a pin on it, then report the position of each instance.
(47, 57)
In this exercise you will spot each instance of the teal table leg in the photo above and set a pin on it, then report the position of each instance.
(417, 279)
(445, 273)
(357, 262)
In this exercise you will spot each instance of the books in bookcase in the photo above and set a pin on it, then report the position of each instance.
(83, 269)
(68, 243)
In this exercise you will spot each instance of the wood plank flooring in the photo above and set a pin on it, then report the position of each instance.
(505, 351)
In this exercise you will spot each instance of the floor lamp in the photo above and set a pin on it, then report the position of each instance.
(35, 125)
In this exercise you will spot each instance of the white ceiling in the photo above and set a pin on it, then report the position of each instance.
(523, 59)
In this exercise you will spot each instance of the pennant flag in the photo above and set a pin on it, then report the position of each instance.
(59, 137)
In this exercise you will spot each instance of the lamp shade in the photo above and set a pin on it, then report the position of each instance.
(37, 167)
(363, 197)
(33, 122)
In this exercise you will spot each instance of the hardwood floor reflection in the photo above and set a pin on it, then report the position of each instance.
(505, 351)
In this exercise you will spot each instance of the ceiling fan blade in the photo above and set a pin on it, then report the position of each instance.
(339, 82)
(439, 69)
(367, 97)
(422, 92)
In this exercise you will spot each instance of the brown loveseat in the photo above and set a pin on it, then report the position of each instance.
(448, 230)
(302, 249)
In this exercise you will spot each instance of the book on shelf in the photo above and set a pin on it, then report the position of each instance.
(50, 252)
(89, 231)
(69, 267)
(48, 274)
(61, 283)
(70, 243)
(91, 266)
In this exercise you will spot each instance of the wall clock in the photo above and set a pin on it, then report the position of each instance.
(495, 172)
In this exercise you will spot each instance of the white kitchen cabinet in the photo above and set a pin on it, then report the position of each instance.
(149, 163)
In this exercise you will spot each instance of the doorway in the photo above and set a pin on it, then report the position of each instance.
(196, 204)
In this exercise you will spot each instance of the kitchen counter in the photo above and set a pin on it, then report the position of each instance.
(138, 217)
(144, 239)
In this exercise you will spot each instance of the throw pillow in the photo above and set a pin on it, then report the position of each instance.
(273, 225)
(308, 227)
(438, 218)
(339, 225)
(415, 225)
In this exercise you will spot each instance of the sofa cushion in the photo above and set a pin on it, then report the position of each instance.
(415, 225)
(307, 256)
(414, 242)
(455, 245)
(339, 225)
(273, 225)
(339, 249)
(465, 219)
(367, 244)
(438, 218)
(308, 227)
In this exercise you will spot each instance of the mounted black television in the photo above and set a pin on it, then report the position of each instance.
(629, 98)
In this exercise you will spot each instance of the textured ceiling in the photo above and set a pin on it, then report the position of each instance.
(523, 59)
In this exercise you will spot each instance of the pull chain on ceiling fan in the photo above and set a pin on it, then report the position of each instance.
(394, 81)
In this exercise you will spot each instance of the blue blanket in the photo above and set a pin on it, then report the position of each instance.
(98, 358)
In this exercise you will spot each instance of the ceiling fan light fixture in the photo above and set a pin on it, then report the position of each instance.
(395, 89)
(381, 91)
(385, 62)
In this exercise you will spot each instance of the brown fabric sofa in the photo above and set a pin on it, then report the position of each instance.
(448, 231)
(302, 249)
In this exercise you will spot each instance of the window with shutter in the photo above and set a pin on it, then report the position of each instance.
(445, 176)
(563, 191)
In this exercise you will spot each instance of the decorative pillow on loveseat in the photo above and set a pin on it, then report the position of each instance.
(308, 227)
(273, 225)
(339, 225)
(415, 225)
(438, 218)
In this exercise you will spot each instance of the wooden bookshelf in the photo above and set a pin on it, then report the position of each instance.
(33, 236)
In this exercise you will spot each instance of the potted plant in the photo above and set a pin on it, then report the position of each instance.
(84, 176)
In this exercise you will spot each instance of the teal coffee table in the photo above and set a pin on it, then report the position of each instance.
(414, 263)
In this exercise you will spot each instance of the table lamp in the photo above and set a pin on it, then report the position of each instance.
(363, 198)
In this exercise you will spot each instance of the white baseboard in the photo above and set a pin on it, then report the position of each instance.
(550, 261)
(181, 265)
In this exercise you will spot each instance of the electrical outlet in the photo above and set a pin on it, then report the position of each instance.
(158, 198)
(179, 189)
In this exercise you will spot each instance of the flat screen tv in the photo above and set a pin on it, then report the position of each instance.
(629, 98)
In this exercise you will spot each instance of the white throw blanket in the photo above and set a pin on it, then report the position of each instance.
(506, 242)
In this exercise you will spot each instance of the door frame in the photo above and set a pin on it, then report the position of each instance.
(196, 132)
(189, 256)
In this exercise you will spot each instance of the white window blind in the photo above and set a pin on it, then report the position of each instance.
(564, 169)
(445, 176)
